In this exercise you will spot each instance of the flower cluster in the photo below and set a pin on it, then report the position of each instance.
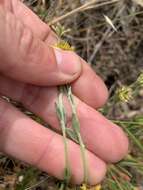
(64, 46)
(140, 79)
(125, 93)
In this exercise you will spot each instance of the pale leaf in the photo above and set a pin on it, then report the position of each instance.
(109, 21)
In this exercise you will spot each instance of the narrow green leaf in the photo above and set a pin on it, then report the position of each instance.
(72, 135)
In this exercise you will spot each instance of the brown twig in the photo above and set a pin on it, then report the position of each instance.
(81, 8)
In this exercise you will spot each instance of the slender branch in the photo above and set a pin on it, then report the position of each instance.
(62, 118)
(76, 128)
(81, 8)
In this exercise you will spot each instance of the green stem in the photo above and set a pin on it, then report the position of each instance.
(76, 128)
(62, 119)
(126, 122)
(117, 182)
(134, 139)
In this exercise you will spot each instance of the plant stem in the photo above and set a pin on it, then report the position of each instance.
(134, 139)
(62, 118)
(76, 128)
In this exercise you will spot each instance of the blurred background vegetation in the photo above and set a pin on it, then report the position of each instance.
(109, 35)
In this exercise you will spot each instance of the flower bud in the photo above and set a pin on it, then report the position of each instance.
(140, 79)
(125, 94)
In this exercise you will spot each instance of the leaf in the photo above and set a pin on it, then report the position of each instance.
(133, 138)
(29, 177)
(109, 21)
(72, 135)
(75, 123)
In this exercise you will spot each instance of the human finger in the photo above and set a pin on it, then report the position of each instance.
(100, 135)
(26, 58)
(89, 87)
(24, 139)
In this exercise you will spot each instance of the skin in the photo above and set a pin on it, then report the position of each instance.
(30, 70)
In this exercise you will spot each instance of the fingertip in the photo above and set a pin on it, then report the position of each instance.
(68, 63)
(90, 88)
(101, 136)
(101, 89)
(122, 142)
(97, 170)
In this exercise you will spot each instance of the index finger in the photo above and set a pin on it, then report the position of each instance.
(25, 57)
(23, 138)
(89, 87)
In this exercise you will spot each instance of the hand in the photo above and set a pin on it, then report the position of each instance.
(30, 70)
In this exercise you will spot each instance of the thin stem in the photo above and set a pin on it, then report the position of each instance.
(127, 122)
(76, 128)
(135, 140)
(62, 118)
(117, 182)
(79, 9)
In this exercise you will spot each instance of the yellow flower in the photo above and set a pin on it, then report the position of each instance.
(140, 79)
(98, 187)
(64, 46)
(84, 187)
(124, 94)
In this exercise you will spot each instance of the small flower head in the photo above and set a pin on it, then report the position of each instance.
(125, 94)
(64, 46)
(84, 187)
(140, 79)
(98, 187)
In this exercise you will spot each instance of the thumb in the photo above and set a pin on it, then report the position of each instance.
(26, 58)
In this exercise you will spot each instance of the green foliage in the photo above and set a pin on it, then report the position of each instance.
(74, 133)
(119, 176)
(29, 178)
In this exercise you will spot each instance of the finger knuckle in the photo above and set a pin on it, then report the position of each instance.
(25, 38)
(30, 95)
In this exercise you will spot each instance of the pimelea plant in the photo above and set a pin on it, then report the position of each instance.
(120, 175)
(74, 133)
(128, 173)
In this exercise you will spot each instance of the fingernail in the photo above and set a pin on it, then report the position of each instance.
(68, 62)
